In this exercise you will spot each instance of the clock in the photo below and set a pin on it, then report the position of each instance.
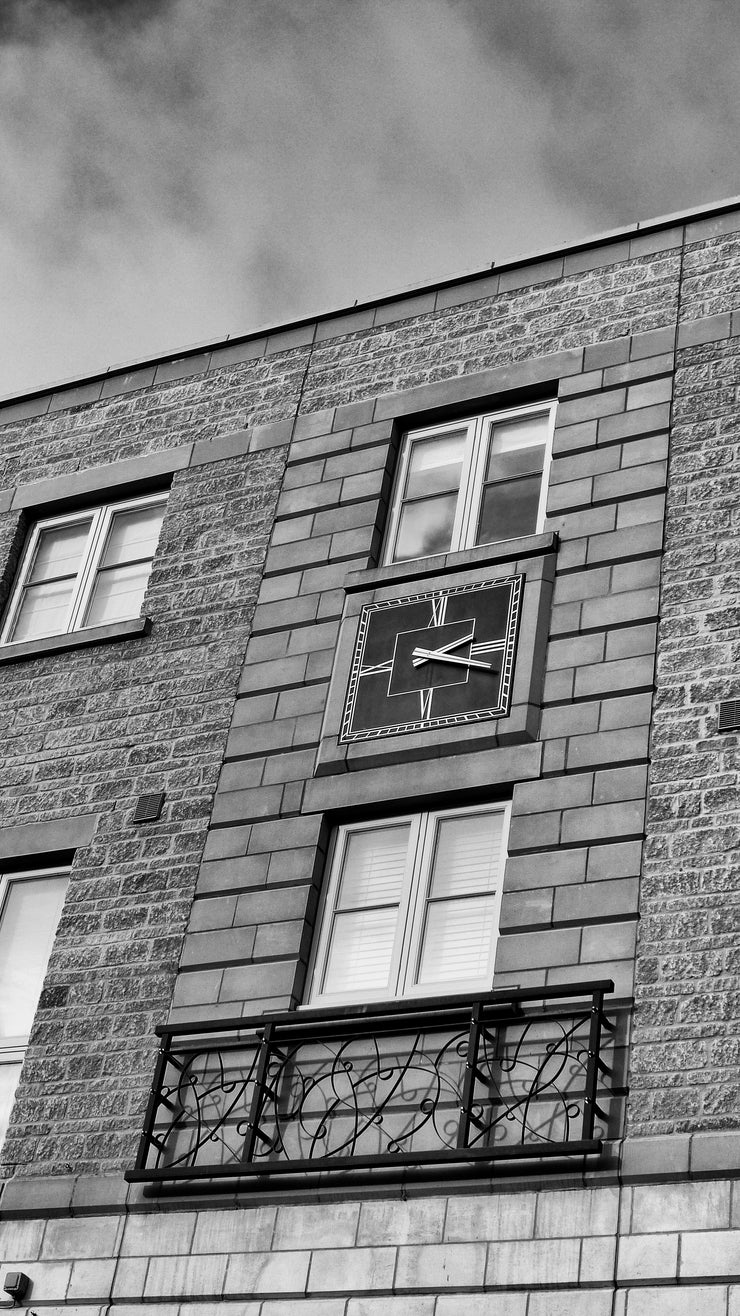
(430, 660)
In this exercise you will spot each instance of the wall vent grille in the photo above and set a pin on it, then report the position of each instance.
(729, 715)
(148, 807)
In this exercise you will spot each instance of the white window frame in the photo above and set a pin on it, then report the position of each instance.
(101, 517)
(471, 477)
(411, 910)
(13, 1046)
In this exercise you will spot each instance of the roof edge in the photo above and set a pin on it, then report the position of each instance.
(383, 299)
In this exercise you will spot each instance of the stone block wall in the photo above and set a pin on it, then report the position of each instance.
(84, 732)
(686, 1056)
(281, 452)
(635, 1250)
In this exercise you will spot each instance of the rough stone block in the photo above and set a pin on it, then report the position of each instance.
(710, 1254)
(642, 420)
(441, 1266)
(649, 393)
(551, 867)
(263, 1274)
(87, 1236)
(20, 1240)
(91, 1279)
(479, 1304)
(693, 333)
(185, 1277)
(386, 1222)
(362, 1269)
(154, 1233)
(608, 402)
(710, 1300)
(577, 1212)
(307, 1226)
(657, 1208)
(646, 1257)
(571, 1302)
(603, 821)
(537, 950)
(596, 900)
(534, 1262)
(490, 1219)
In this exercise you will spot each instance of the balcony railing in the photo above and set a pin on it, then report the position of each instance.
(398, 1090)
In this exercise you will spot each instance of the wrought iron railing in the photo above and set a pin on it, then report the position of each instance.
(404, 1088)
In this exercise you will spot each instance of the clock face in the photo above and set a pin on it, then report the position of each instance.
(433, 660)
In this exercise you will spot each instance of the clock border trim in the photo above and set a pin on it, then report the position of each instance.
(516, 582)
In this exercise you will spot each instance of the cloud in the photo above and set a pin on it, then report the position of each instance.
(180, 169)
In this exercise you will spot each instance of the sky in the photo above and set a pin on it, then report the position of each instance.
(176, 171)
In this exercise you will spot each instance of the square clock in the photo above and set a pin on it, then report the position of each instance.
(442, 658)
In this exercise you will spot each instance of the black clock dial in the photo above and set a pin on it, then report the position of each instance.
(434, 659)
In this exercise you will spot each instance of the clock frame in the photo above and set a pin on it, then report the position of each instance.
(438, 658)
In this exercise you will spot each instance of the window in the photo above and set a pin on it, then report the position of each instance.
(30, 906)
(472, 482)
(84, 569)
(411, 907)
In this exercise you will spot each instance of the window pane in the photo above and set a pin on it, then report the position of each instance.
(360, 952)
(9, 1075)
(29, 918)
(59, 552)
(524, 433)
(133, 535)
(509, 509)
(425, 528)
(457, 939)
(435, 465)
(43, 611)
(373, 868)
(118, 594)
(467, 855)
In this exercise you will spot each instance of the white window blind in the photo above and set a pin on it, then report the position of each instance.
(411, 905)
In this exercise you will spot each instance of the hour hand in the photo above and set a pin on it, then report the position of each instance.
(420, 656)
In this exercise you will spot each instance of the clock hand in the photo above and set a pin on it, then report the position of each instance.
(428, 653)
(439, 656)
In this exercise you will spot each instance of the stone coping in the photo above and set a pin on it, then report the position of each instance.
(661, 1159)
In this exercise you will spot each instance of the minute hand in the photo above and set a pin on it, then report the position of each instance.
(439, 656)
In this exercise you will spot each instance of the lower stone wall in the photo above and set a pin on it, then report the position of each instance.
(606, 1249)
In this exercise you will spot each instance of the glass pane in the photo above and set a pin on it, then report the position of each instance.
(457, 939)
(43, 611)
(133, 535)
(360, 952)
(59, 552)
(511, 465)
(373, 868)
(435, 465)
(524, 433)
(467, 856)
(118, 594)
(9, 1075)
(425, 528)
(509, 509)
(29, 919)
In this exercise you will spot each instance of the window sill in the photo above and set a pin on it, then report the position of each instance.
(116, 630)
(506, 550)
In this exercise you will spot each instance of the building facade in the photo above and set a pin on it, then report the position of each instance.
(368, 824)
